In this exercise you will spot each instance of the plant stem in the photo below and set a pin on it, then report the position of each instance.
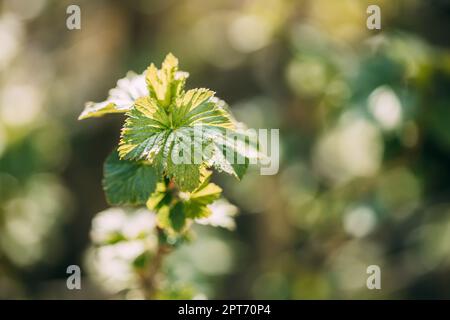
(149, 279)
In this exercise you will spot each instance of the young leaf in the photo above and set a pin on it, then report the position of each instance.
(177, 217)
(172, 218)
(120, 99)
(196, 206)
(159, 198)
(166, 83)
(126, 182)
(175, 211)
(196, 121)
(195, 203)
(186, 176)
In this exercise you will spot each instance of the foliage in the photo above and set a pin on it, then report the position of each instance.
(164, 121)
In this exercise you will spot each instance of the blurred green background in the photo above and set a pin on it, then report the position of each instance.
(364, 119)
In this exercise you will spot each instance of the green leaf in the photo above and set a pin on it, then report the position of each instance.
(195, 203)
(126, 182)
(231, 154)
(206, 194)
(186, 176)
(166, 83)
(177, 217)
(120, 99)
(159, 198)
(196, 123)
(172, 218)
(174, 211)
(197, 106)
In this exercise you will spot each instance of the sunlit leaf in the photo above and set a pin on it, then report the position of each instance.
(120, 99)
(126, 182)
(172, 218)
(159, 197)
(196, 123)
(167, 82)
(197, 204)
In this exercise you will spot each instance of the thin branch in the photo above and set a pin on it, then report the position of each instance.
(149, 279)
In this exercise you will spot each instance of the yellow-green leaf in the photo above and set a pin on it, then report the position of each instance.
(120, 99)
